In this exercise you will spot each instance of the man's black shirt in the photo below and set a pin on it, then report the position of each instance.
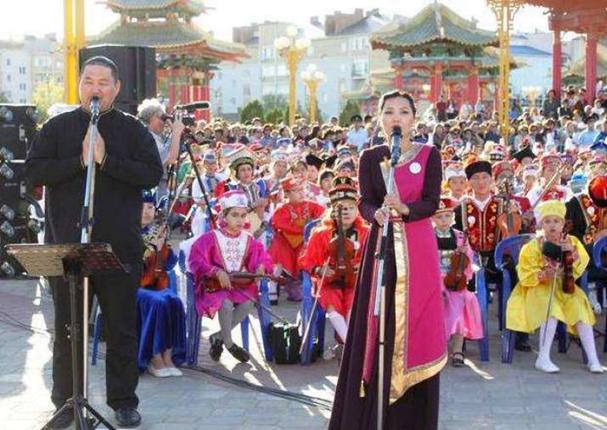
(131, 164)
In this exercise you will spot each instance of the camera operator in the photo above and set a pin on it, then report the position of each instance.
(167, 134)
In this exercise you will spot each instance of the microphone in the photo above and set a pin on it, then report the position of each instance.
(95, 108)
(193, 106)
(395, 145)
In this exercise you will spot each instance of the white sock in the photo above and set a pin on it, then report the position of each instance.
(339, 324)
(272, 290)
(587, 337)
(550, 329)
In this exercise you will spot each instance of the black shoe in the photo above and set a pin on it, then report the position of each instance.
(274, 302)
(239, 353)
(64, 420)
(128, 417)
(522, 345)
(216, 348)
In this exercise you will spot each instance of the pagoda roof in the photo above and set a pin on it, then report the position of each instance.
(564, 6)
(435, 23)
(170, 37)
(156, 7)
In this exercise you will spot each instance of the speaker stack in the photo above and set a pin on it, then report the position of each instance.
(17, 225)
(137, 70)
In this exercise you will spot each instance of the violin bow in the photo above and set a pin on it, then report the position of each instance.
(306, 333)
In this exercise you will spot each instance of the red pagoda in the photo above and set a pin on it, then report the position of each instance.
(186, 54)
(442, 48)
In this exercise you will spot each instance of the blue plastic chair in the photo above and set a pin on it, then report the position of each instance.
(318, 317)
(600, 247)
(511, 247)
(194, 321)
(483, 298)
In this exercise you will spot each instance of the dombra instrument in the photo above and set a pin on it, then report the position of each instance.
(240, 280)
(342, 254)
(548, 185)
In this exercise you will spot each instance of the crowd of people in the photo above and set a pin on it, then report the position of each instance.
(242, 197)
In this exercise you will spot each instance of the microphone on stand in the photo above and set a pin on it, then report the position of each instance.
(395, 145)
(95, 108)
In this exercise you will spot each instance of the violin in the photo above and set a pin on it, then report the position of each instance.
(240, 280)
(342, 254)
(555, 253)
(154, 276)
(568, 279)
(456, 280)
(508, 223)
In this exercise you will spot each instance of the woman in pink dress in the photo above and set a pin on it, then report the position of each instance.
(415, 341)
(462, 311)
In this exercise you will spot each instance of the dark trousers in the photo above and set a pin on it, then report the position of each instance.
(117, 297)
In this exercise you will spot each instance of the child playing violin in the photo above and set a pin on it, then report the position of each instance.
(161, 316)
(334, 257)
(546, 293)
(462, 311)
(213, 258)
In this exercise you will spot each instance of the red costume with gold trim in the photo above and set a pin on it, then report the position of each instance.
(288, 223)
(317, 252)
(480, 224)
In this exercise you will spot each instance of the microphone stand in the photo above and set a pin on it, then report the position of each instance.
(86, 225)
(188, 145)
(380, 286)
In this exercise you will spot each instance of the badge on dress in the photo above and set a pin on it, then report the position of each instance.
(415, 168)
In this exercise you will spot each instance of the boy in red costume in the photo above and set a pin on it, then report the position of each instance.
(288, 223)
(336, 292)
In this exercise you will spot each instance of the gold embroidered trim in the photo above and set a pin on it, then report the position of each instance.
(410, 154)
(401, 311)
(404, 377)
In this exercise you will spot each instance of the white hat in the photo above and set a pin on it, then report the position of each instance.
(454, 172)
(233, 199)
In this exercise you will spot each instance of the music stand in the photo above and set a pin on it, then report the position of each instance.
(74, 261)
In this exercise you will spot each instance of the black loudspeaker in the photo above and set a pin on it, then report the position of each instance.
(17, 130)
(137, 70)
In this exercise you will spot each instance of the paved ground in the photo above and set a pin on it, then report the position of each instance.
(480, 396)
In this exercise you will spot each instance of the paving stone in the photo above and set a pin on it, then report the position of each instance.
(487, 395)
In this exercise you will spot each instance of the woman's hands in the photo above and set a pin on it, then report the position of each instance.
(391, 201)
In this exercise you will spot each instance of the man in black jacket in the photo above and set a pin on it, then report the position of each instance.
(127, 162)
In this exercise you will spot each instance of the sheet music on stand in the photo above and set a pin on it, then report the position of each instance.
(47, 260)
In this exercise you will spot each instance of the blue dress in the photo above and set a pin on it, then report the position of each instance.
(160, 323)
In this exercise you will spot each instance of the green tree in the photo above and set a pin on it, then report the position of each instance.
(3, 98)
(351, 108)
(44, 96)
(253, 109)
(274, 101)
(275, 116)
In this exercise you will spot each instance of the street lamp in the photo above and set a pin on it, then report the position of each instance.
(312, 77)
(292, 50)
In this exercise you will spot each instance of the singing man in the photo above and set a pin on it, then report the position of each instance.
(127, 161)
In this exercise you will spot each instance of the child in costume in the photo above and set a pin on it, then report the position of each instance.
(541, 292)
(217, 254)
(462, 311)
(288, 223)
(336, 293)
(161, 316)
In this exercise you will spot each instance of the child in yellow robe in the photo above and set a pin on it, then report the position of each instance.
(528, 304)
